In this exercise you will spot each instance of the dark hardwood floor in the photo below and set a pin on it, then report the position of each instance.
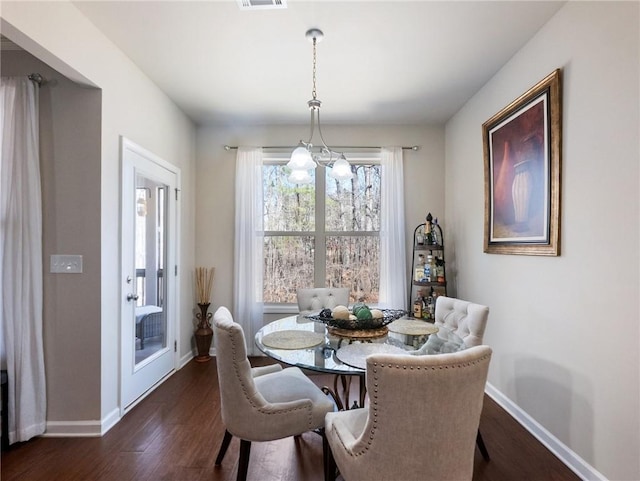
(174, 434)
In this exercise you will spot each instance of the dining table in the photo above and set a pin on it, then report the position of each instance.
(305, 342)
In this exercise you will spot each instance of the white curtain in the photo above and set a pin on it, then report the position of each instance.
(393, 270)
(21, 258)
(247, 304)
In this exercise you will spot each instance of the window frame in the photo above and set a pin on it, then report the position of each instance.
(320, 234)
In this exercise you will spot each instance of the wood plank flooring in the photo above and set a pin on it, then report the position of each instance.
(174, 435)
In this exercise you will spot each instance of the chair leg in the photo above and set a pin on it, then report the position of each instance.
(329, 461)
(333, 394)
(243, 463)
(223, 447)
(482, 447)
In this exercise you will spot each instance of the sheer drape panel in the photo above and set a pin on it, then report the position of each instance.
(393, 279)
(249, 238)
(21, 258)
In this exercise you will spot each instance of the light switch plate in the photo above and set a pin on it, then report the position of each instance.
(66, 264)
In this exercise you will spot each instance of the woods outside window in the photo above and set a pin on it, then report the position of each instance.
(323, 234)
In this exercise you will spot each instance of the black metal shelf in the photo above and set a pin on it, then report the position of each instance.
(414, 286)
(427, 247)
(429, 284)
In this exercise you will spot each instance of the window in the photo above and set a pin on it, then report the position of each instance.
(321, 234)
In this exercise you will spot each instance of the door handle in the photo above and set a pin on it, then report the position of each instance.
(132, 297)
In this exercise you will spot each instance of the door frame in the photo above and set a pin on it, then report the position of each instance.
(172, 281)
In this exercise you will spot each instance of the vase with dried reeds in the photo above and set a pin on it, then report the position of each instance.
(204, 333)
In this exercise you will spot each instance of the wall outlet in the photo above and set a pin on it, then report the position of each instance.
(65, 264)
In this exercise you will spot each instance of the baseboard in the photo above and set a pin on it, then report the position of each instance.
(553, 444)
(81, 429)
(96, 428)
(110, 420)
(185, 359)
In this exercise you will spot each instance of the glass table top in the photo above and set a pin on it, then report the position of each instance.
(322, 357)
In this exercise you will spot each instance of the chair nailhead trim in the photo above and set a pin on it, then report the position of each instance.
(251, 402)
(373, 401)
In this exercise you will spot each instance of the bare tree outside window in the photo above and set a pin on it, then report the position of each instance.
(343, 250)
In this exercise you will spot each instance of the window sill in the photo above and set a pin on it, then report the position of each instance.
(289, 309)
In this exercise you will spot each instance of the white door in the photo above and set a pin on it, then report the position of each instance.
(149, 272)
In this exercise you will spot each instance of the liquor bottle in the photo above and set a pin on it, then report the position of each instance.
(417, 308)
(439, 269)
(435, 231)
(431, 307)
(428, 269)
(428, 230)
(418, 275)
(426, 313)
(420, 237)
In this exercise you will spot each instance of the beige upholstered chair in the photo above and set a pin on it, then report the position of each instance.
(263, 403)
(421, 422)
(313, 300)
(466, 319)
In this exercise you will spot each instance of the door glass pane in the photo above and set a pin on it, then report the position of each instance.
(150, 235)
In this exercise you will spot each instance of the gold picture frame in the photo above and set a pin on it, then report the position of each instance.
(522, 149)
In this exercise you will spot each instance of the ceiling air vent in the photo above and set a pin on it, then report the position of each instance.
(261, 4)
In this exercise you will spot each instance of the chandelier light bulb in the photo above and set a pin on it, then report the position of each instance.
(300, 177)
(341, 169)
(300, 158)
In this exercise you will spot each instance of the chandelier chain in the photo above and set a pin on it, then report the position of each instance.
(313, 92)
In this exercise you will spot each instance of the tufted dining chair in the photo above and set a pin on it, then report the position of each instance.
(421, 422)
(314, 299)
(263, 403)
(468, 321)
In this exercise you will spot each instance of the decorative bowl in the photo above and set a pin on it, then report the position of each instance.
(389, 315)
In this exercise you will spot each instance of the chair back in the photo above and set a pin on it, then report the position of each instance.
(239, 397)
(313, 300)
(423, 417)
(466, 319)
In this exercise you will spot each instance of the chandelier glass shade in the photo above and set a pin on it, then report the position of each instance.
(303, 159)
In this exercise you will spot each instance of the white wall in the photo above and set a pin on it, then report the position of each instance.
(132, 106)
(565, 329)
(423, 173)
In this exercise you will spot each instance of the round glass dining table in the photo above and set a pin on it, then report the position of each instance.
(317, 347)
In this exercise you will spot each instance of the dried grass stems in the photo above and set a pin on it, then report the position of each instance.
(204, 283)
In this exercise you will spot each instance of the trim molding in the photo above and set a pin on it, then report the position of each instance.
(81, 429)
(186, 358)
(110, 420)
(553, 444)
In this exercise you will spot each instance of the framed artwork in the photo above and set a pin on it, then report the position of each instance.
(522, 145)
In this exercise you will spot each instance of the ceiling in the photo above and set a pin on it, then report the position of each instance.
(380, 62)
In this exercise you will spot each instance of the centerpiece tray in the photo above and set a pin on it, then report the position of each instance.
(388, 316)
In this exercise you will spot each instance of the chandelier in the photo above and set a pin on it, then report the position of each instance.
(302, 158)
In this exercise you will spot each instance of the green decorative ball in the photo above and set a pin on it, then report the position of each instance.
(364, 314)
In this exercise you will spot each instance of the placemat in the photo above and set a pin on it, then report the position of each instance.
(412, 327)
(355, 354)
(292, 339)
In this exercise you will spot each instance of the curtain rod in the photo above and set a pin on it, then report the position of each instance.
(37, 78)
(337, 147)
